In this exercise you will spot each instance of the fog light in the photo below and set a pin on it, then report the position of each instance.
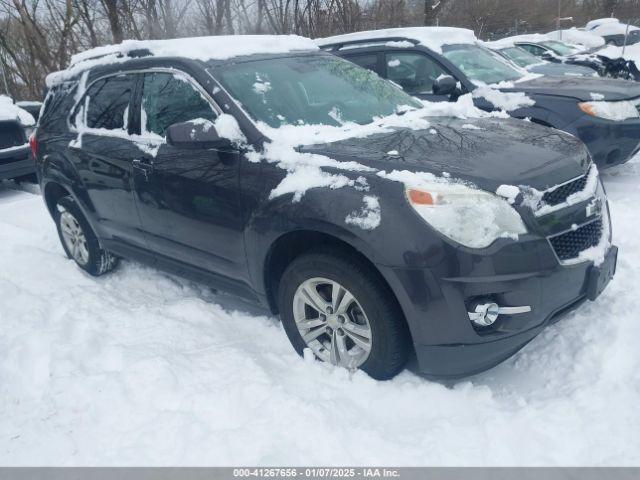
(485, 314)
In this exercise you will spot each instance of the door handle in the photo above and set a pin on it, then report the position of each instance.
(145, 167)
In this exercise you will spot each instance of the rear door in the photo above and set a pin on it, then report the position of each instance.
(103, 152)
(188, 199)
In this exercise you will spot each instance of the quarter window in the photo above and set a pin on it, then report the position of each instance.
(107, 103)
(414, 72)
(169, 99)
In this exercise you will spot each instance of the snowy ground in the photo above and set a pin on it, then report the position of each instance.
(140, 367)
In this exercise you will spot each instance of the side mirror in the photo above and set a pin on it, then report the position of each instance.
(548, 56)
(444, 85)
(199, 133)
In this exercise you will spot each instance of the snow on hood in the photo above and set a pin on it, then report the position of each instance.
(433, 38)
(9, 111)
(220, 47)
(631, 52)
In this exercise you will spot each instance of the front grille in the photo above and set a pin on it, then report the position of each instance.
(569, 244)
(560, 194)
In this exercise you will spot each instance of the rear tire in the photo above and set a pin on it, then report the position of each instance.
(372, 320)
(79, 241)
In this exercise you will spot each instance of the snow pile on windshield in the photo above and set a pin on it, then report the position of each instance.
(11, 112)
(220, 47)
(433, 38)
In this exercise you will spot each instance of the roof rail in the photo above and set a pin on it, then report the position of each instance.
(339, 44)
(137, 53)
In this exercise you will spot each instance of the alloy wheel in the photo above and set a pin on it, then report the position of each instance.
(74, 237)
(332, 322)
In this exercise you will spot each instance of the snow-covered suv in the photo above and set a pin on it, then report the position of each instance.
(16, 126)
(374, 225)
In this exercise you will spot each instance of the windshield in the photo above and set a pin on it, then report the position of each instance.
(559, 47)
(312, 89)
(481, 64)
(520, 57)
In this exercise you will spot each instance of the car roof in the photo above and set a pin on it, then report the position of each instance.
(222, 47)
(433, 38)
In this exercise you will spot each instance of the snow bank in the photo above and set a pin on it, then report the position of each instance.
(142, 368)
(11, 112)
(433, 38)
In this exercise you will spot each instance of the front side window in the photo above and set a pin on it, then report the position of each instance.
(167, 99)
(533, 49)
(106, 103)
(559, 47)
(311, 89)
(520, 56)
(414, 72)
(368, 61)
(481, 64)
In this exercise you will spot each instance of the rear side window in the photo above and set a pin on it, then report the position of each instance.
(169, 99)
(538, 51)
(11, 135)
(107, 103)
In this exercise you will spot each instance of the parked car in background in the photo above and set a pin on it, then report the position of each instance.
(284, 174)
(614, 32)
(16, 125)
(33, 107)
(534, 64)
(440, 64)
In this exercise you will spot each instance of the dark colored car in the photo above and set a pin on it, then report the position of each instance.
(533, 64)
(561, 54)
(578, 105)
(136, 159)
(15, 157)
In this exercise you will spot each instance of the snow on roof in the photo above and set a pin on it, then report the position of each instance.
(613, 28)
(431, 37)
(600, 21)
(9, 111)
(220, 47)
(578, 37)
(511, 41)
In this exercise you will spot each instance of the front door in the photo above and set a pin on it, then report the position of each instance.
(188, 199)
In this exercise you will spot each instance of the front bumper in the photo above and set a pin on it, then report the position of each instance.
(16, 162)
(446, 342)
(610, 143)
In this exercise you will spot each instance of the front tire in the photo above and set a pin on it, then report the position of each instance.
(79, 241)
(340, 308)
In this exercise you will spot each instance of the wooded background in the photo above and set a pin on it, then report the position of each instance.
(39, 36)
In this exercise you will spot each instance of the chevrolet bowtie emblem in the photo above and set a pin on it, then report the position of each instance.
(594, 207)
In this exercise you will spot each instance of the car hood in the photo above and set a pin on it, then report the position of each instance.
(486, 152)
(561, 69)
(580, 88)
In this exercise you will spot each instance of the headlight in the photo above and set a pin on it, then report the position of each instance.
(616, 111)
(471, 217)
